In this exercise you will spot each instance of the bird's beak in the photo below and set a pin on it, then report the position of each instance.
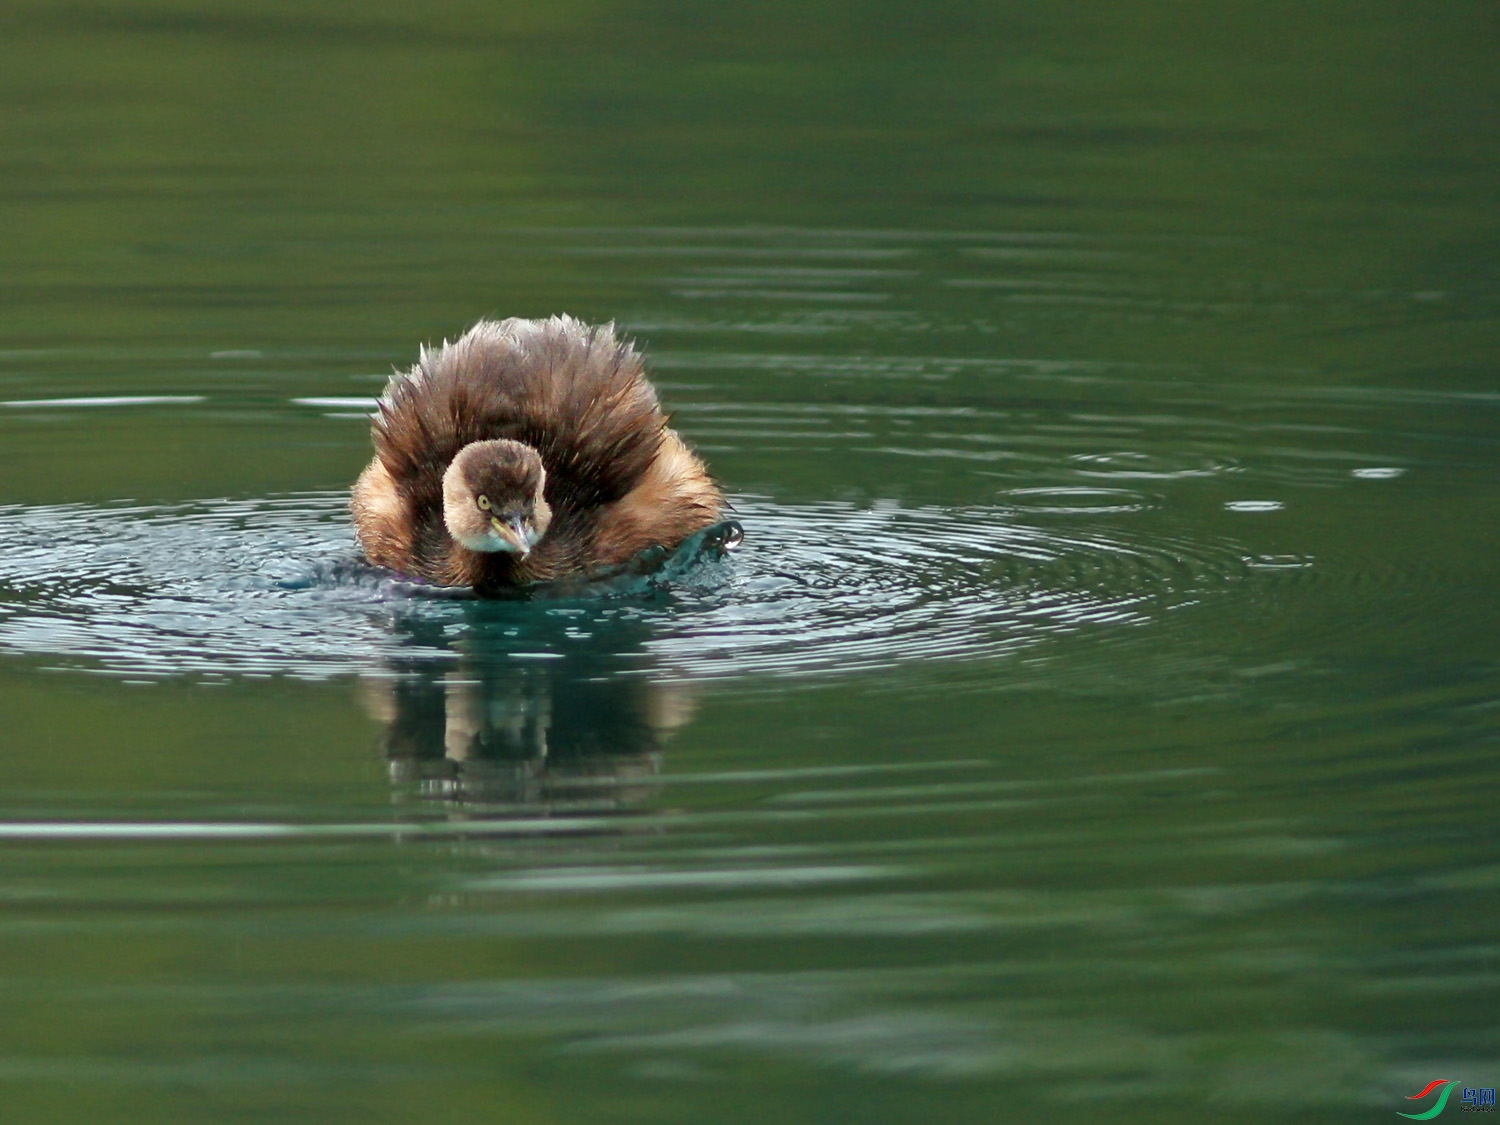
(517, 533)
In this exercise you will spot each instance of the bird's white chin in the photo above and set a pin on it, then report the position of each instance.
(489, 543)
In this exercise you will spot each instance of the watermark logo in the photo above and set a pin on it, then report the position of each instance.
(1475, 1099)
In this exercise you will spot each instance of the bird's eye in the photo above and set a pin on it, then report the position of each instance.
(484, 503)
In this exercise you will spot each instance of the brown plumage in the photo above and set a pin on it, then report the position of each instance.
(525, 451)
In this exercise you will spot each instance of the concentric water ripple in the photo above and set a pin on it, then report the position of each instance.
(275, 586)
(833, 586)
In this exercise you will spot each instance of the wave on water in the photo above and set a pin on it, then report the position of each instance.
(275, 586)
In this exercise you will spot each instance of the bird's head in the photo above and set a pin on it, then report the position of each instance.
(492, 497)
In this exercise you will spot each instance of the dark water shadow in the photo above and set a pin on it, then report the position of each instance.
(537, 711)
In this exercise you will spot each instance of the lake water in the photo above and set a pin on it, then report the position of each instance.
(1100, 716)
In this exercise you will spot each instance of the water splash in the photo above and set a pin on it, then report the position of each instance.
(276, 587)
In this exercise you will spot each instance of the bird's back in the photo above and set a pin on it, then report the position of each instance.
(574, 393)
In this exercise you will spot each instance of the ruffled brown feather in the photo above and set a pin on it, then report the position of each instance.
(618, 480)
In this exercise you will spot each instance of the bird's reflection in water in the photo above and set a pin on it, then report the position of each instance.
(549, 710)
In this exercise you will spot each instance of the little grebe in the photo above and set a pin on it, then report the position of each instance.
(525, 451)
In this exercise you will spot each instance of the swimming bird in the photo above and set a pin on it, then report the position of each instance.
(526, 451)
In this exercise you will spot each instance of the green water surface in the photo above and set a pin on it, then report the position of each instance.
(1100, 719)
